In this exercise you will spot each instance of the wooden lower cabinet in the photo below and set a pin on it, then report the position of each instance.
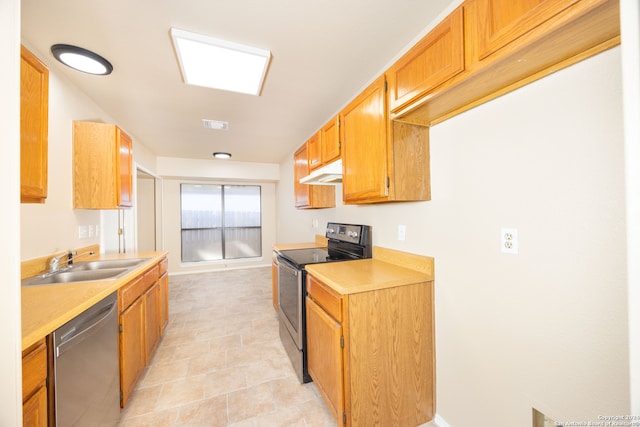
(371, 354)
(164, 301)
(132, 348)
(34, 385)
(144, 312)
(153, 322)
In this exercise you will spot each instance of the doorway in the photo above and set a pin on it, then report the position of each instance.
(148, 211)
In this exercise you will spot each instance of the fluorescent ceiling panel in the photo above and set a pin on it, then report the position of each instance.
(219, 64)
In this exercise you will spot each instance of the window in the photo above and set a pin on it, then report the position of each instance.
(220, 222)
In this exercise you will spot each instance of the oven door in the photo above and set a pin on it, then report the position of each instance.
(290, 294)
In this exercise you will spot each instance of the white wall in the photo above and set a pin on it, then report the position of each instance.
(10, 331)
(546, 328)
(630, 27)
(53, 226)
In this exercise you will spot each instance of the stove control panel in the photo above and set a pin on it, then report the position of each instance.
(358, 234)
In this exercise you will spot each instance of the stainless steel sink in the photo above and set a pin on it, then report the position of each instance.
(108, 263)
(69, 276)
(88, 271)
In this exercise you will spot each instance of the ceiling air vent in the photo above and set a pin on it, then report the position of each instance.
(215, 124)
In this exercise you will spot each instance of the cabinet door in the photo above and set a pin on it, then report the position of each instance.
(34, 119)
(502, 21)
(300, 170)
(330, 140)
(132, 348)
(365, 150)
(34, 410)
(325, 359)
(152, 319)
(164, 301)
(432, 61)
(309, 196)
(315, 151)
(125, 168)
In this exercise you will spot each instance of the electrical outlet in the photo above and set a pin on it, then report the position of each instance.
(509, 240)
(402, 232)
(82, 232)
(91, 231)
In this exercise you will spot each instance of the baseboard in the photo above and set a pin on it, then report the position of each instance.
(440, 421)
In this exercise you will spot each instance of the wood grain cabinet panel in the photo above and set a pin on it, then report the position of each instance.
(382, 161)
(144, 313)
(376, 366)
(503, 21)
(433, 60)
(509, 44)
(164, 301)
(34, 385)
(34, 128)
(309, 196)
(153, 320)
(102, 166)
(330, 141)
(314, 147)
(132, 348)
(325, 357)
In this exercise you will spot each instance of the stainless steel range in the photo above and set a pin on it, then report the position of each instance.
(346, 242)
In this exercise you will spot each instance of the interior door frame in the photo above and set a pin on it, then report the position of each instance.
(159, 207)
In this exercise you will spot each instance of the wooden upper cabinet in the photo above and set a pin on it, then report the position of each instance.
(34, 127)
(503, 21)
(365, 150)
(314, 146)
(508, 44)
(309, 196)
(102, 166)
(324, 145)
(330, 140)
(432, 61)
(382, 161)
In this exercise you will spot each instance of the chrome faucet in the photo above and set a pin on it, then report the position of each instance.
(54, 264)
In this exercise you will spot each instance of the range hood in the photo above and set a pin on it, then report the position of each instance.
(330, 174)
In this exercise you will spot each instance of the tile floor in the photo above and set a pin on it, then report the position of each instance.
(221, 363)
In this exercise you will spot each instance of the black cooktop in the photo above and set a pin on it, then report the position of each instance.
(301, 257)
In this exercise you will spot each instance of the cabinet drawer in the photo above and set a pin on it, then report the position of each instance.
(163, 265)
(129, 293)
(34, 368)
(151, 276)
(330, 301)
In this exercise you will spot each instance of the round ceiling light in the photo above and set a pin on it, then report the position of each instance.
(221, 155)
(81, 59)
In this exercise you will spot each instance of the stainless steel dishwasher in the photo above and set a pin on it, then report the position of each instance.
(86, 368)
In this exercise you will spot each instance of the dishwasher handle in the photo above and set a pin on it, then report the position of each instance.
(85, 326)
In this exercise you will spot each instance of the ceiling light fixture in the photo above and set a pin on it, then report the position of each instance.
(81, 59)
(219, 64)
(221, 155)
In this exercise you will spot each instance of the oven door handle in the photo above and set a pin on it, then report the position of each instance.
(287, 266)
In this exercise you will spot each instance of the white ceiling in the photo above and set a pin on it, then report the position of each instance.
(323, 53)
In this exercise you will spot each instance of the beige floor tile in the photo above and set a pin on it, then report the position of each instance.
(250, 402)
(166, 418)
(205, 363)
(181, 392)
(225, 381)
(160, 373)
(210, 412)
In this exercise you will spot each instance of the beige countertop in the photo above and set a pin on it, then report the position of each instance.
(47, 307)
(320, 242)
(289, 246)
(350, 277)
